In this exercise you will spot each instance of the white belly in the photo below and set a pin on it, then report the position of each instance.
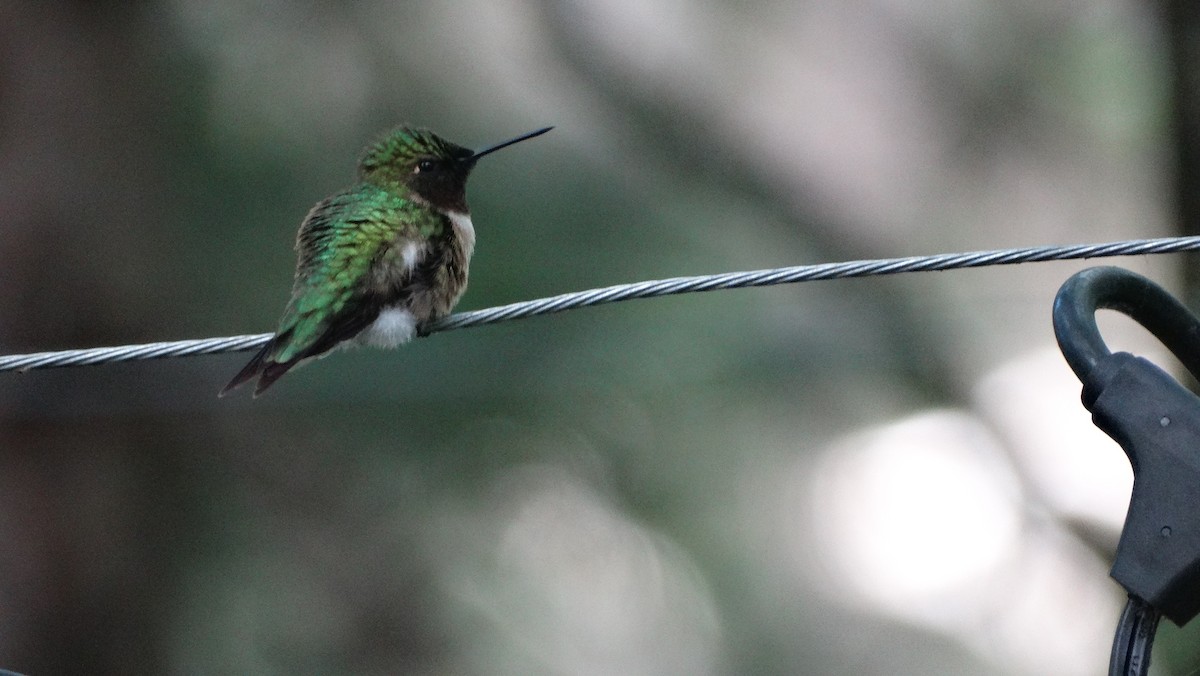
(394, 326)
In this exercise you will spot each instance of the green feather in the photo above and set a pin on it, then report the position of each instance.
(342, 237)
(355, 250)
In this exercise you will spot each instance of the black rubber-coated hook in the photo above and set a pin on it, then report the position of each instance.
(1157, 422)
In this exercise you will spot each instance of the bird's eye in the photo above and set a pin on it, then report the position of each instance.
(425, 165)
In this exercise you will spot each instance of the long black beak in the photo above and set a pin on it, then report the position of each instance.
(491, 149)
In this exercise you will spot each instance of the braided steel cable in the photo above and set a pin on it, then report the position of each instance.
(623, 292)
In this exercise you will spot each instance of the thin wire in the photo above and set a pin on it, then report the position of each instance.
(623, 292)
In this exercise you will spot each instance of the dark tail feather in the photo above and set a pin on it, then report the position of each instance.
(264, 369)
(267, 370)
(249, 371)
(272, 372)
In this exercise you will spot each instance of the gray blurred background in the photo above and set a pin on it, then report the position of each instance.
(878, 476)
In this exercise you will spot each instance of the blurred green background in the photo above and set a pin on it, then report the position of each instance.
(878, 476)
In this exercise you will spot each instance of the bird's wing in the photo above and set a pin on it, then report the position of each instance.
(338, 242)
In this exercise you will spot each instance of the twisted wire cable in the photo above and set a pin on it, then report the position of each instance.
(623, 292)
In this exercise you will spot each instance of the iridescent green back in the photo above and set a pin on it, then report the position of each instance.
(342, 237)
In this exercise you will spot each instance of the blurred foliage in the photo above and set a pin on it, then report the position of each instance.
(615, 490)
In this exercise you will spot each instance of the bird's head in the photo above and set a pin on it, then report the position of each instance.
(427, 165)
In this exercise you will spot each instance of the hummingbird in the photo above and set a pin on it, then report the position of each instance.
(382, 259)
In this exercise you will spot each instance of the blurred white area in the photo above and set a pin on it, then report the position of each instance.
(571, 585)
(916, 514)
(1076, 470)
(925, 519)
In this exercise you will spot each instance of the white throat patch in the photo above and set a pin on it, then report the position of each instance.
(465, 230)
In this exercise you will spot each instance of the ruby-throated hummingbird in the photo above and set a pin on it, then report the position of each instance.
(380, 260)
